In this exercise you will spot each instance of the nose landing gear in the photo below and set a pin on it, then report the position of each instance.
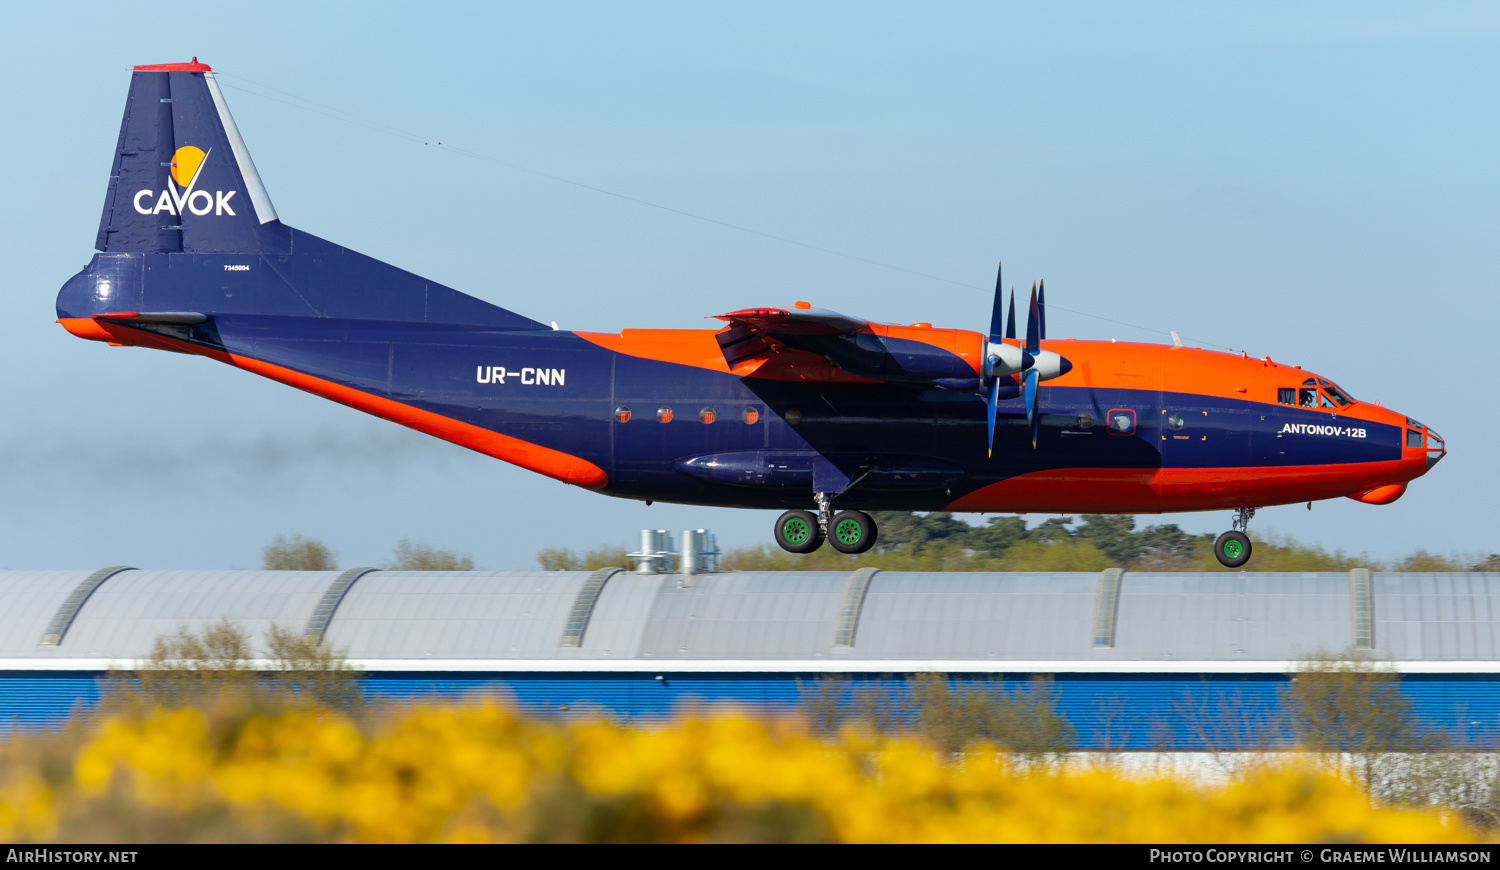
(799, 531)
(1232, 548)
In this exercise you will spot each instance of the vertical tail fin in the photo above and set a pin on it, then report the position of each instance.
(183, 180)
(183, 183)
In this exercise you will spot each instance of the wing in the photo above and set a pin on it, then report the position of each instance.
(755, 331)
(919, 355)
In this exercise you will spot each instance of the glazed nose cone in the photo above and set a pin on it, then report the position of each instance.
(1437, 448)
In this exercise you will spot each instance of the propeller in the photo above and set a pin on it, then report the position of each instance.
(1034, 322)
(1002, 360)
(1010, 328)
(1033, 364)
(1041, 311)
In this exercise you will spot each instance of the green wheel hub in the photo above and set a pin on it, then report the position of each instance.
(796, 531)
(1233, 549)
(848, 532)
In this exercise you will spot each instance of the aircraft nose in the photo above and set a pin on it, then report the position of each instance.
(1437, 448)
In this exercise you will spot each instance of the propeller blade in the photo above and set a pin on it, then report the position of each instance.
(993, 403)
(997, 312)
(1041, 312)
(1010, 326)
(1033, 327)
(1032, 417)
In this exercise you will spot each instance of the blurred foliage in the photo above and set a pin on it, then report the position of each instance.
(187, 666)
(1352, 707)
(1349, 716)
(229, 770)
(420, 557)
(947, 714)
(297, 554)
(562, 559)
(204, 743)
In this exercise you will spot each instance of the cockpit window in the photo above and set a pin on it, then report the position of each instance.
(1413, 438)
(1414, 424)
(1310, 382)
(1286, 395)
(1336, 394)
(1326, 402)
(1307, 397)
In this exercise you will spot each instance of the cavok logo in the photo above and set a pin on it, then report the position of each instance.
(187, 162)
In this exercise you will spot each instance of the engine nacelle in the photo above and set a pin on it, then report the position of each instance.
(1006, 359)
(1049, 365)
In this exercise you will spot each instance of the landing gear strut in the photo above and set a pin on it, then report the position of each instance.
(799, 531)
(1232, 548)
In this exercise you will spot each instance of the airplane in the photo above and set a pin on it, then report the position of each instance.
(818, 414)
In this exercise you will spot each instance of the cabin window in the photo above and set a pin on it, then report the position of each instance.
(1286, 395)
(708, 415)
(622, 414)
(1338, 395)
(1413, 438)
(664, 415)
(1175, 421)
(1121, 421)
(750, 415)
(792, 416)
(1085, 420)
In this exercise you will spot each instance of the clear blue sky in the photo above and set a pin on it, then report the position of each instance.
(1314, 182)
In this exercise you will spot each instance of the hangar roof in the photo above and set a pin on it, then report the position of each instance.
(805, 621)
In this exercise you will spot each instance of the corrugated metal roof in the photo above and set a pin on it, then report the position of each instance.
(520, 616)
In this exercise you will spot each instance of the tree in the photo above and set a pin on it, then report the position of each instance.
(1114, 536)
(953, 715)
(563, 559)
(903, 529)
(1351, 706)
(189, 667)
(297, 554)
(999, 535)
(420, 557)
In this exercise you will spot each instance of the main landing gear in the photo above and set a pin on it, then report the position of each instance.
(799, 531)
(1232, 548)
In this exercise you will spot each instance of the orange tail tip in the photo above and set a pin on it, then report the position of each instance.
(1380, 494)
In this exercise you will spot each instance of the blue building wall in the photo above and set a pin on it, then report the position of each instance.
(1120, 711)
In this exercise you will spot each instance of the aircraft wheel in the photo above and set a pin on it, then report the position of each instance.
(1232, 549)
(853, 532)
(798, 532)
